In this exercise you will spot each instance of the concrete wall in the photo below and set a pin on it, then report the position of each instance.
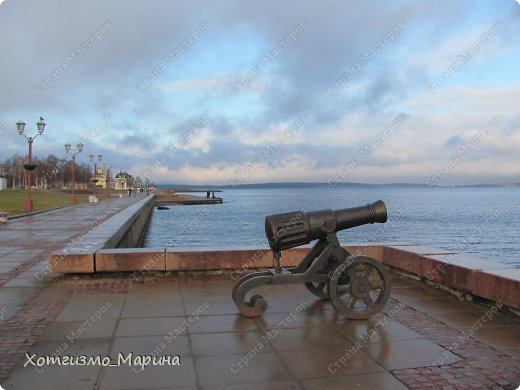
(477, 277)
(136, 227)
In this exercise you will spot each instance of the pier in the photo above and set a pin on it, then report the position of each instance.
(185, 197)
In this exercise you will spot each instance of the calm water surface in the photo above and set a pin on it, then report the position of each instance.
(483, 222)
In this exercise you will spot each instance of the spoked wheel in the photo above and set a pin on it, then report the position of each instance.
(359, 289)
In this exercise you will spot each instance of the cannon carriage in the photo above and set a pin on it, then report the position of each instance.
(357, 286)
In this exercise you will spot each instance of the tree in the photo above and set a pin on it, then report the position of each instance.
(51, 172)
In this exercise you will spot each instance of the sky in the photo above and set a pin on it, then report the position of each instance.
(237, 92)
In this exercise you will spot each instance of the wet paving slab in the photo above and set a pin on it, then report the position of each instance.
(28, 240)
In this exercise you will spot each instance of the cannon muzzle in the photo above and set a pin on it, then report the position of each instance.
(288, 230)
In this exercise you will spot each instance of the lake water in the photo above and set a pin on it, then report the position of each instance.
(482, 222)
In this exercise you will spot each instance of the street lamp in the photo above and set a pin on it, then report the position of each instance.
(94, 179)
(29, 167)
(79, 148)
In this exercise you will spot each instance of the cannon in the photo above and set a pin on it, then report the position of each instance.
(357, 286)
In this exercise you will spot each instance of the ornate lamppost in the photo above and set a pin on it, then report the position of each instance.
(95, 179)
(79, 148)
(29, 167)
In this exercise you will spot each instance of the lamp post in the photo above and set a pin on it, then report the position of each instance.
(29, 167)
(79, 148)
(94, 179)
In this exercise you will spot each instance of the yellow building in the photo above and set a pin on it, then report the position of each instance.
(101, 177)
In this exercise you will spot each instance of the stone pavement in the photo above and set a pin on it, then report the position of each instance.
(424, 339)
(26, 242)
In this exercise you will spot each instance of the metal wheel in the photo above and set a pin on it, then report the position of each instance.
(359, 289)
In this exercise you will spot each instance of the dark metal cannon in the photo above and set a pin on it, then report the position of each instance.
(357, 286)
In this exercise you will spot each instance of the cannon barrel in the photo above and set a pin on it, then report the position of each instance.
(288, 230)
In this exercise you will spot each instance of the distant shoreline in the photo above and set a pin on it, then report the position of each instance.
(340, 185)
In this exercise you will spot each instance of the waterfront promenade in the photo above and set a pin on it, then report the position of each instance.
(425, 337)
(26, 241)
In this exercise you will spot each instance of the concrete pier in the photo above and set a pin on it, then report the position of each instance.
(174, 198)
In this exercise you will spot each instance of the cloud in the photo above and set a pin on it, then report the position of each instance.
(205, 84)
(197, 82)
